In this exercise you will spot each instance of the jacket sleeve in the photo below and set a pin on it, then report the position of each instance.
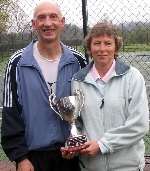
(137, 122)
(79, 56)
(12, 128)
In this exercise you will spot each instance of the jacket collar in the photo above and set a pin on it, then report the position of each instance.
(29, 60)
(120, 69)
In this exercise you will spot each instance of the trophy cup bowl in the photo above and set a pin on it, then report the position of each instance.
(69, 108)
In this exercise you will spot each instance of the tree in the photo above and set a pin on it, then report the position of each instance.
(18, 19)
(4, 16)
(72, 34)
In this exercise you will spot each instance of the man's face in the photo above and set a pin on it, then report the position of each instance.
(48, 22)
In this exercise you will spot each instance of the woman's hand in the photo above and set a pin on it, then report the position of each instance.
(90, 148)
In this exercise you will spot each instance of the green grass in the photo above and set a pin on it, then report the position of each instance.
(2, 155)
(135, 47)
(3, 62)
(147, 143)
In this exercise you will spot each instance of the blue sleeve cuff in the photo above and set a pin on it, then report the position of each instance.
(104, 149)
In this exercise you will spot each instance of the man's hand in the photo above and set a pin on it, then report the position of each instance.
(25, 165)
(67, 154)
(70, 152)
(90, 148)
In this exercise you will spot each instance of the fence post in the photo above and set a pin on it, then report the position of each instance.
(85, 19)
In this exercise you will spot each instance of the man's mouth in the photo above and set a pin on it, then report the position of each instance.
(48, 30)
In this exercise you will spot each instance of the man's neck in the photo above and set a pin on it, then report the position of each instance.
(50, 51)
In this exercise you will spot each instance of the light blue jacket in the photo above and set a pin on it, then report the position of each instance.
(120, 124)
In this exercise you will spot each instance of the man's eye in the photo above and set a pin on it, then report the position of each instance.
(41, 17)
(54, 16)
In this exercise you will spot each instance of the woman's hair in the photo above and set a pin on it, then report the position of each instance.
(101, 29)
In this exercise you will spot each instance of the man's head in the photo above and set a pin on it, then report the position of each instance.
(48, 21)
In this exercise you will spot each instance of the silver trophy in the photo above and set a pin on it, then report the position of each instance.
(69, 108)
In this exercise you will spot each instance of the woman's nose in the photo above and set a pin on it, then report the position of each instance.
(102, 47)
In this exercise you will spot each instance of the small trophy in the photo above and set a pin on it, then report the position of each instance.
(69, 108)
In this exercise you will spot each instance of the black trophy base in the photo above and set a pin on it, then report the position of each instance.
(75, 143)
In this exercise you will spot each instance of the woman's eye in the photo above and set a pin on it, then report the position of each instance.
(97, 43)
(108, 43)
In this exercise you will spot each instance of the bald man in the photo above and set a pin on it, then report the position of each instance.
(32, 133)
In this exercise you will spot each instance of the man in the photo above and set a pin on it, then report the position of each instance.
(32, 133)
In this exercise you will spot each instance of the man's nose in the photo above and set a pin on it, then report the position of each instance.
(48, 21)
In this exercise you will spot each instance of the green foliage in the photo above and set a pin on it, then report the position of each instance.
(137, 32)
(3, 21)
(4, 16)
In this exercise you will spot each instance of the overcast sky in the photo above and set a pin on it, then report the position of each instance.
(116, 10)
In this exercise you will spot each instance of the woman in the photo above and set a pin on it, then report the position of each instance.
(115, 114)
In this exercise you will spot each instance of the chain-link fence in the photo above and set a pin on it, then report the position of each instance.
(131, 16)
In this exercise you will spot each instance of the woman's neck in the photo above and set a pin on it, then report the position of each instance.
(103, 69)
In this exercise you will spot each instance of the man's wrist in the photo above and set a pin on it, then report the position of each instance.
(18, 160)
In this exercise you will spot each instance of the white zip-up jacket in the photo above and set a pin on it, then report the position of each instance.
(120, 124)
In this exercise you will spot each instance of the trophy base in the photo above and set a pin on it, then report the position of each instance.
(75, 143)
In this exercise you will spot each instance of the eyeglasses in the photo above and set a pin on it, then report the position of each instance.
(52, 17)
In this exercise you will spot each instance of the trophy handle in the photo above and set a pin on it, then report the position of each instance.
(52, 99)
(80, 97)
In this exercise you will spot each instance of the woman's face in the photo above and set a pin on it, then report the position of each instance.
(103, 50)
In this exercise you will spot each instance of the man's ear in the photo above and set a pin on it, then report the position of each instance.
(33, 24)
(63, 21)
